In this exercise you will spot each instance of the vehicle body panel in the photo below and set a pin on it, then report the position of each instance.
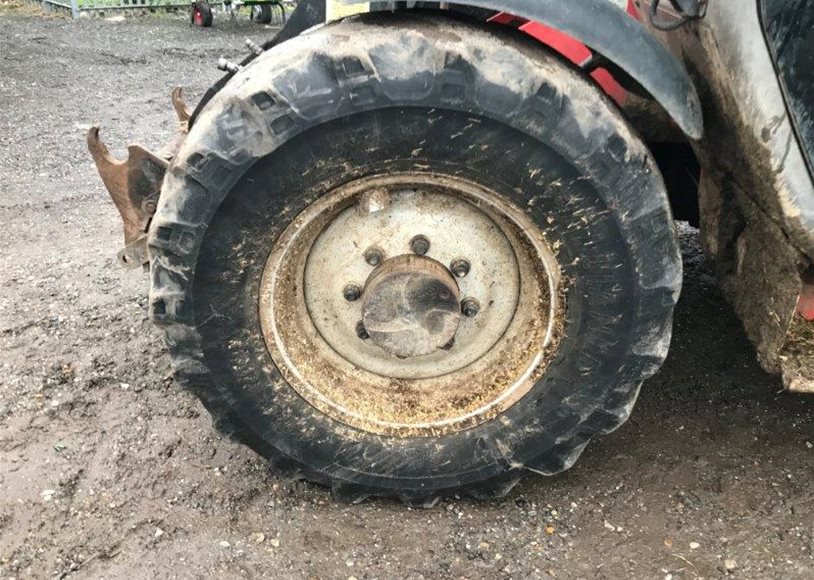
(789, 29)
(756, 195)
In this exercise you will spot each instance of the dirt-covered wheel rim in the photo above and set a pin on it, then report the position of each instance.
(411, 304)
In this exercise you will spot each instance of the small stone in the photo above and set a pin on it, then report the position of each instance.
(274, 542)
(258, 537)
(124, 386)
(158, 533)
(809, 445)
(48, 494)
(224, 544)
(730, 564)
(549, 530)
(609, 526)
(694, 545)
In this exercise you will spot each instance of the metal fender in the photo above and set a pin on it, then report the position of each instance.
(599, 24)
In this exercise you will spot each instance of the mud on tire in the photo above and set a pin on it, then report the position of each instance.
(352, 99)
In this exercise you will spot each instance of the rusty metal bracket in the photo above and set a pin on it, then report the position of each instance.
(134, 184)
(134, 254)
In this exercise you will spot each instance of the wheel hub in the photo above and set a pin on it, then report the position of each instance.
(411, 306)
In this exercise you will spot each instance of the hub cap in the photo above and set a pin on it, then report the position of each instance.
(411, 304)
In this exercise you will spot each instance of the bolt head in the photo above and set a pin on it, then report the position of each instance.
(149, 207)
(470, 307)
(351, 292)
(361, 331)
(459, 267)
(374, 256)
(420, 245)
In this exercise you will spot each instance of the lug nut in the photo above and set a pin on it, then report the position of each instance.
(420, 245)
(470, 307)
(459, 267)
(449, 344)
(351, 292)
(361, 331)
(374, 256)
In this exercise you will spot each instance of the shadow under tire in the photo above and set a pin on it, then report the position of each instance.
(415, 94)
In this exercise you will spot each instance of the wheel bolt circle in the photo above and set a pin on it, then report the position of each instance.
(470, 307)
(459, 267)
(374, 256)
(361, 331)
(420, 245)
(351, 292)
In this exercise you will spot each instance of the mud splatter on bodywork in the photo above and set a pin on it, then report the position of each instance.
(756, 195)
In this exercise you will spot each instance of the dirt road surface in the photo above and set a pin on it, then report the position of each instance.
(108, 470)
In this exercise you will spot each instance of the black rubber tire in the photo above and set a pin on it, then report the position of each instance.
(201, 14)
(261, 14)
(487, 104)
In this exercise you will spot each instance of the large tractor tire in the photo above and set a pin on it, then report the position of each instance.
(409, 256)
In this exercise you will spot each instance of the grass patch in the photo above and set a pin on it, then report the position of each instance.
(129, 3)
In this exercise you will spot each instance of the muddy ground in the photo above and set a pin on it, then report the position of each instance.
(108, 470)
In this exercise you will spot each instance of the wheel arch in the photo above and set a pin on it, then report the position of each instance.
(620, 39)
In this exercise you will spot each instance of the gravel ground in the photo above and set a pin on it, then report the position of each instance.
(108, 470)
